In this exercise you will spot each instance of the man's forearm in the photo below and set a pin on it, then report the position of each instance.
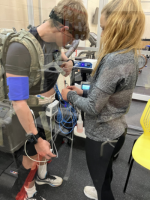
(25, 117)
(64, 57)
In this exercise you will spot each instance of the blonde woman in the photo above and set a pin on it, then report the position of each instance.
(110, 94)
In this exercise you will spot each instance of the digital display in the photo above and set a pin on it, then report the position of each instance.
(85, 64)
(85, 87)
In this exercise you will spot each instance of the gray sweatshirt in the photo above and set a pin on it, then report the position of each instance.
(109, 96)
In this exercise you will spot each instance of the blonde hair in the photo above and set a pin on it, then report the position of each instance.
(75, 13)
(125, 22)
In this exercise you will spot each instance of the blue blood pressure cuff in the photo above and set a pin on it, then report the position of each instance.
(18, 88)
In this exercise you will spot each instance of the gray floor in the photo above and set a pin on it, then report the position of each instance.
(138, 187)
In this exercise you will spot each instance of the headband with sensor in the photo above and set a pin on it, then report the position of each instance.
(75, 33)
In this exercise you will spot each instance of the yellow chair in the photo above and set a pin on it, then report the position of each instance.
(141, 148)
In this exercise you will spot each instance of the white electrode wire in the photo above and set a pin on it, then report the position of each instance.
(27, 141)
(43, 47)
(34, 118)
(67, 174)
(67, 136)
(53, 143)
(30, 157)
(78, 111)
(61, 113)
(56, 133)
(61, 109)
(51, 129)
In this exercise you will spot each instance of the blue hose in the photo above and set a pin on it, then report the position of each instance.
(62, 121)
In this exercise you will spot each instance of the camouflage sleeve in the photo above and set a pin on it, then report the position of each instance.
(18, 60)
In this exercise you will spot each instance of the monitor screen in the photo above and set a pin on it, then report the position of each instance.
(85, 87)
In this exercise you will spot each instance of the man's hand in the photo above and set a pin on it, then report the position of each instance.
(74, 88)
(43, 149)
(64, 93)
(67, 67)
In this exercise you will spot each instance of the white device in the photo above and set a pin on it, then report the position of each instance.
(52, 108)
(92, 61)
(85, 64)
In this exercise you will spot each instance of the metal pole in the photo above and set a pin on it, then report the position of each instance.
(30, 12)
(128, 176)
(40, 11)
(102, 3)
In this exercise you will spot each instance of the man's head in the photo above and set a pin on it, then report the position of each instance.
(71, 18)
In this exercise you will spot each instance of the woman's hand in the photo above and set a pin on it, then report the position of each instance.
(64, 93)
(74, 88)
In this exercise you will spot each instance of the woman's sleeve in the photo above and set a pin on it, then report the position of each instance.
(93, 104)
(102, 89)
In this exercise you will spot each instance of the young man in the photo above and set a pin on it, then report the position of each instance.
(68, 21)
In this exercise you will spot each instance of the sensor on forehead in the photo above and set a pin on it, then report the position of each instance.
(75, 32)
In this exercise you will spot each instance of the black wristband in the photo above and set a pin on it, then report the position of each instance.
(32, 138)
(85, 93)
(71, 60)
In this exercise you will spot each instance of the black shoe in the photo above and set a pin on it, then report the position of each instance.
(35, 197)
(51, 180)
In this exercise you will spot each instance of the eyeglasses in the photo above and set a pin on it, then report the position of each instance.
(70, 36)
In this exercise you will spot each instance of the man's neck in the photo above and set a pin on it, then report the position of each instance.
(46, 32)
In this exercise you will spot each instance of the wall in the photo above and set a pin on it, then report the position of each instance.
(17, 16)
(36, 12)
(13, 13)
(144, 43)
(46, 7)
(91, 7)
(91, 11)
(17, 13)
(146, 8)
